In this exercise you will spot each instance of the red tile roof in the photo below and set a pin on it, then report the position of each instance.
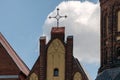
(21, 65)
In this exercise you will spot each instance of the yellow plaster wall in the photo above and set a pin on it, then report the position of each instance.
(56, 59)
(119, 21)
(77, 76)
(33, 76)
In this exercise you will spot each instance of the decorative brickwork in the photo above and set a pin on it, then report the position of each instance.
(110, 43)
(43, 59)
(69, 58)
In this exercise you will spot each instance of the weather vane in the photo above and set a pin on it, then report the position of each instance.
(58, 17)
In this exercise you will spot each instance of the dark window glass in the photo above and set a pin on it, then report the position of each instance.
(118, 52)
(56, 72)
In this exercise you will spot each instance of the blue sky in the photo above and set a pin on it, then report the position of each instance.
(21, 23)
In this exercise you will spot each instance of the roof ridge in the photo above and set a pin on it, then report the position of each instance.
(14, 55)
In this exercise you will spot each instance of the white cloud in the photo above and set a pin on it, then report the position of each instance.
(83, 22)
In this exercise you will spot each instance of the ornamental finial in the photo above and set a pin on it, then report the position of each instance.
(58, 17)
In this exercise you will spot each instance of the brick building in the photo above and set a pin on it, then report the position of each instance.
(110, 40)
(56, 60)
(11, 66)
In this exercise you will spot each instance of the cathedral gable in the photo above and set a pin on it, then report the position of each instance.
(56, 60)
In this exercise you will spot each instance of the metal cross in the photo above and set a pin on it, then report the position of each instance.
(58, 17)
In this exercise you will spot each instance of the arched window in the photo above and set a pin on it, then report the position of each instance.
(118, 25)
(56, 72)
